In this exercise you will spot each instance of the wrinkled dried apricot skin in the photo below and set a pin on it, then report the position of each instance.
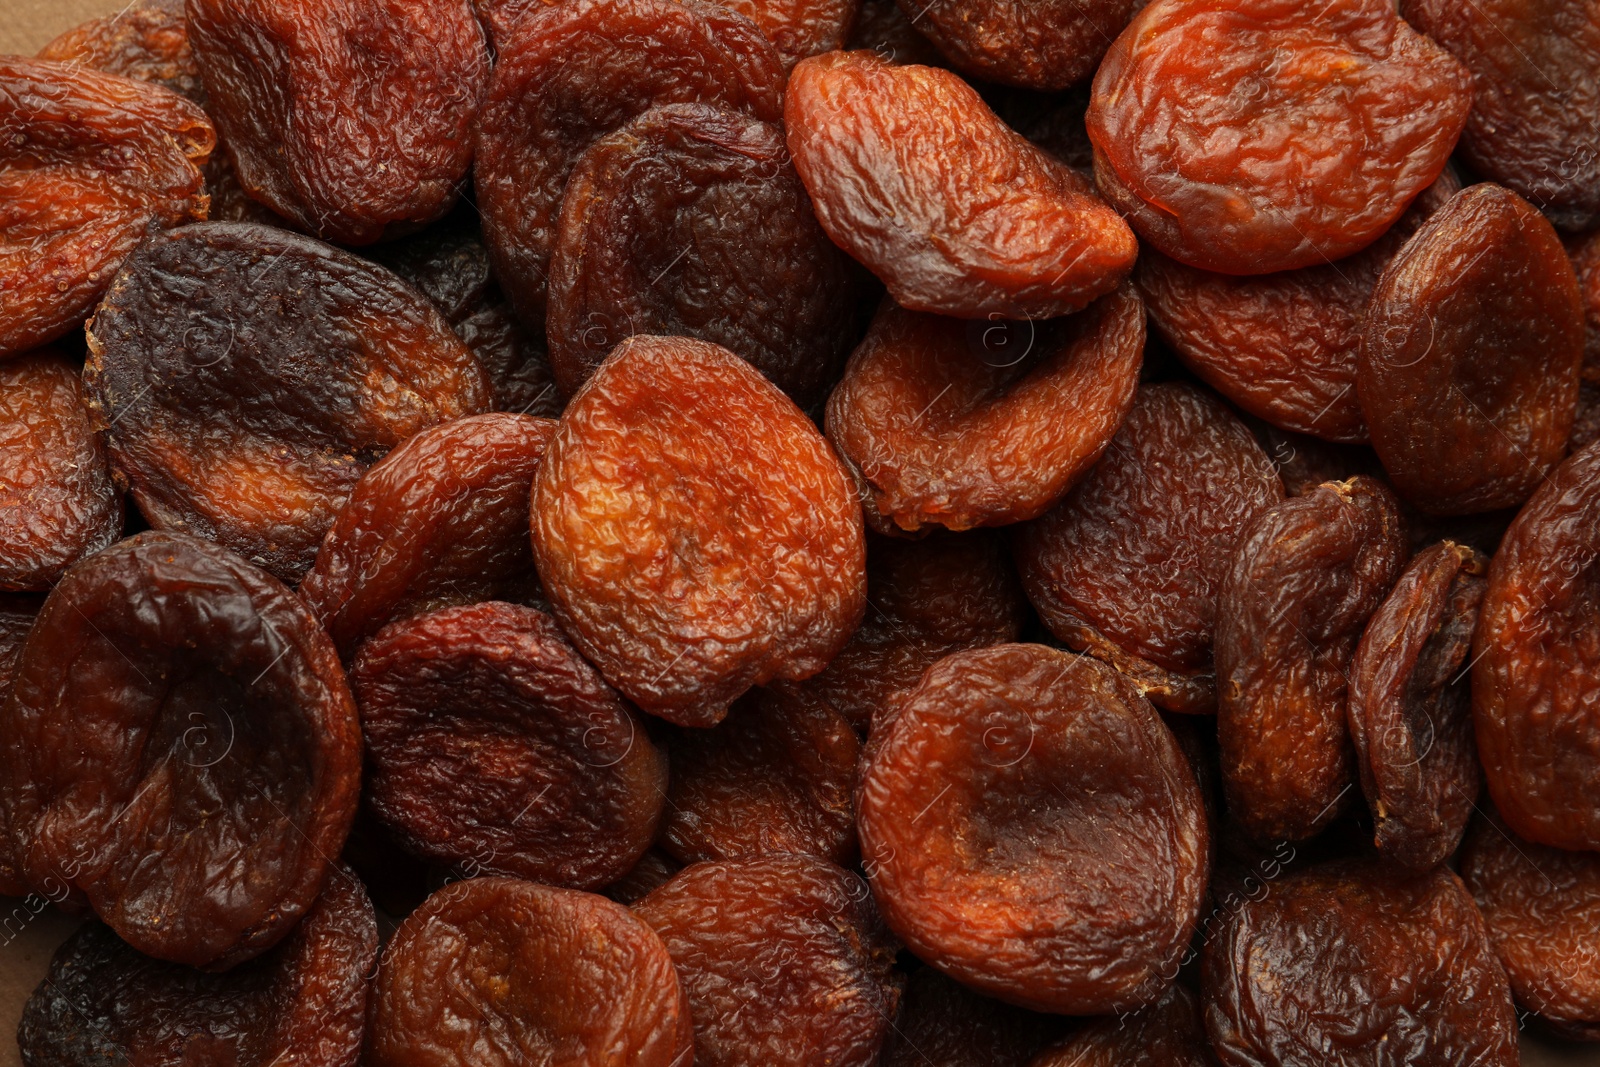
(1165, 1033)
(148, 40)
(1536, 707)
(1048, 46)
(695, 533)
(942, 1023)
(186, 755)
(281, 77)
(1200, 113)
(914, 176)
(91, 161)
(998, 870)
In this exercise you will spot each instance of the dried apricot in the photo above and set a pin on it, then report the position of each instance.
(882, 27)
(17, 612)
(1249, 136)
(1470, 350)
(694, 531)
(914, 176)
(961, 424)
(998, 869)
(1166, 1033)
(447, 262)
(945, 1024)
(515, 359)
(1049, 45)
(147, 40)
(654, 870)
(800, 28)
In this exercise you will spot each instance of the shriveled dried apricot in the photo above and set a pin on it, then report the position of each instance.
(147, 40)
(944, 1024)
(1470, 350)
(1305, 578)
(1129, 565)
(1166, 1033)
(183, 749)
(694, 531)
(514, 358)
(654, 870)
(17, 612)
(1248, 136)
(999, 870)
(800, 28)
(962, 424)
(447, 261)
(914, 176)
(1049, 45)
(502, 973)
(882, 27)
(248, 376)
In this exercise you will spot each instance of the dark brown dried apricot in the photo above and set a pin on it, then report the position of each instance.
(1352, 963)
(961, 424)
(90, 162)
(571, 73)
(1166, 1033)
(783, 960)
(800, 28)
(983, 813)
(502, 973)
(1470, 350)
(944, 1024)
(1410, 707)
(1050, 45)
(147, 40)
(284, 78)
(447, 262)
(1129, 565)
(515, 359)
(248, 376)
(1248, 136)
(654, 870)
(883, 28)
(441, 520)
(1535, 707)
(694, 531)
(305, 1002)
(1305, 578)
(57, 503)
(690, 221)
(1585, 254)
(491, 743)
(914, 176)
(1305, 462)
(183, 751)
(17, 612)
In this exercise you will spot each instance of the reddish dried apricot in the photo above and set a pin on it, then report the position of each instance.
(1166, 1033)
(503, 973)
(184, 752)
(1128, 566)
(945, 1024)
(1305, 578)
(961, 424)
(57, 503)
(800, 28)
(248, 376)
(1049, 45)
(999, 869)
(694, 531)
(147, 40)
(914, 176)
(1248, 136)
(794, 935)
(1470, 350)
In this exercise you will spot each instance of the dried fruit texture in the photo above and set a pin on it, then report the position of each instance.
(1410, 707)
(503, 973)
(229, 202)
(960, 424)
(573, 72)
(514, 359)
(914, 176)
(1305, 462)
(57, 503)
(1585, 254)
(1349, 963)
(800, 28)
(654, 870)
(184, 752)
(999, 870)
(1167, 1033)
(441, 520)
(1470, 353)
(1129, 565)
(300, 365)
(17, 612)
(1586, 421)
(1305, 578)
(926, 599)
(690, 221)
(1200, 120)
(1049, 45)
(783, 960)
(91, 161)
(694, 531)
(282, 78)
(882, 27)
(147, 40)
(1535, 707)
(944, 1024)
(1536, 78)
(447, 262)
(1542, 907)
(304, 1002)
(491, 743)
(1283, 346)
(774, 776)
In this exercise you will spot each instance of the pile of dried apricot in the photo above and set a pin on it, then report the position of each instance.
(978, 533)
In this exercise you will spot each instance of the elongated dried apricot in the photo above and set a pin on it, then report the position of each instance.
(1166, 1033)
(148, 40)
(914, 176)
(1049, 45)
(944, 1024)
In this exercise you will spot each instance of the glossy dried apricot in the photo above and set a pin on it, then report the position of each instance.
(57, 503)
(1129, 565)
(297, 366)
(800, 28)
(960, 424)
(999, 870)
(694, 531)
(147, 40)
(502, 973)
(1166, 1033)
(1050, 45)
(944, 1024)
(1248, 136)
(184, 753)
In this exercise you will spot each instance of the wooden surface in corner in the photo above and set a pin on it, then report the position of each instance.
(28, 25)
